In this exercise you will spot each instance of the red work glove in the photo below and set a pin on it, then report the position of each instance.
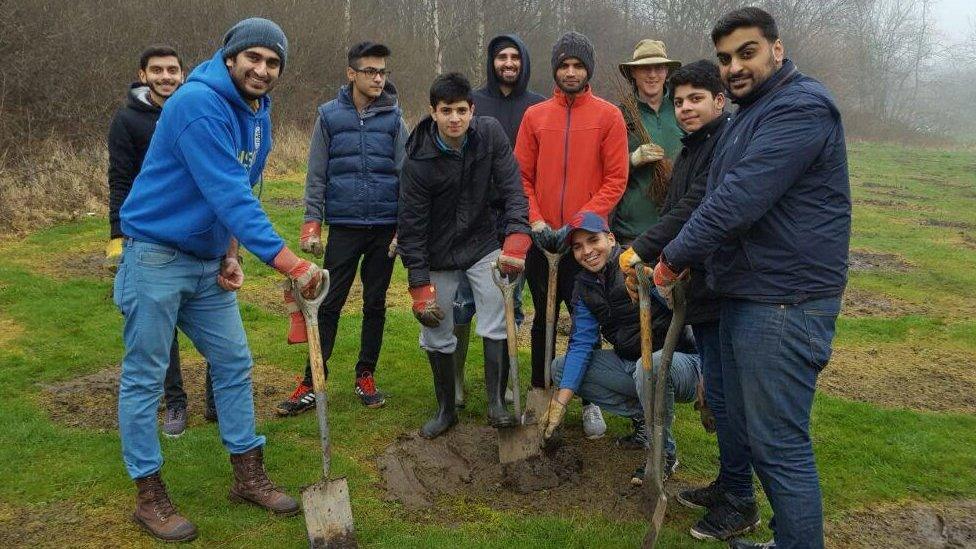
(512, 259)
(311, 238)
(425, 307)
(305, 275)
(296, 328)
(665, 279)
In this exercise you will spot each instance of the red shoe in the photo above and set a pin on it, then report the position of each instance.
(302, 400)
(366, 389)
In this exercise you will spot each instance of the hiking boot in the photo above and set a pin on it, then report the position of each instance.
(442, 366)
(156, 514)
(731, 517)
(302, 400)
(496, 379)
(670, 466)
(636, 440)
(593, 425)
(252, 485)
(463, 334)
(366, 390)
(740, 543)
(701, 498)
(174, 422)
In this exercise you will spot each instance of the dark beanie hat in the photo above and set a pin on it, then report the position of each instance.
(501, 44)
(255, 32)
(573, 44)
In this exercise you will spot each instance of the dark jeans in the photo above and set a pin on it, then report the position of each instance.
(735, 470)
(343, 251)
(771, 356)
(537, 277)
(173, 392)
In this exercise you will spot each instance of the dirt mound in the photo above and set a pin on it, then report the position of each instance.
(92, 401)
(862, 303)
(90, 264)
(937, 380)
(866, 260)
(916, 525)
(578, 475)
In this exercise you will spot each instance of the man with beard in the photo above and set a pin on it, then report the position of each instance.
(189, 206)
(773, 232)
(504, 97)
(572, 151)
(354, 161)
(160, 74)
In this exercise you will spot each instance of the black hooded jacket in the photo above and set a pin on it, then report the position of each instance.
(128, 138)
(507, 109)
(452, 203)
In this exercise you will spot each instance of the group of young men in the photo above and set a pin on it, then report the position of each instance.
(756, 217)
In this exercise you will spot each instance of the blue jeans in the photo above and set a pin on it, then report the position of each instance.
(158, 288)
(735, 469)
(771, 356)
(615, 384)
(464, 303)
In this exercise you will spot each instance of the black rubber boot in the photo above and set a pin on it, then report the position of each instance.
(442, 365)
(462, 332)
(496, 379)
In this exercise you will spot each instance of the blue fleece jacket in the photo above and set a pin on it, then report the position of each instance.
(194, 190)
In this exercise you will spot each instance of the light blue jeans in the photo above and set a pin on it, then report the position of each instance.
(158, 288)
(615, 384)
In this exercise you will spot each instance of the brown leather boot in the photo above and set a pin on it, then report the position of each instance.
(251, 484)
(156, 514)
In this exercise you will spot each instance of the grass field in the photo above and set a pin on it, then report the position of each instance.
(894, 423)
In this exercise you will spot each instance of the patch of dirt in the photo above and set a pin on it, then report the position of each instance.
(969, 241)
(904, 377)
(9, 330)
(298, 203)
(917, 525)
(894, 204)
(897, 193)
(578, 475)
(865, 260)
(77, 265)
(947, 223)
(862, 303)
(876, 185)
(91, 401)
(67, 524)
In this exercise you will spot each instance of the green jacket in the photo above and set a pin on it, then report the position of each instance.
(635, 212)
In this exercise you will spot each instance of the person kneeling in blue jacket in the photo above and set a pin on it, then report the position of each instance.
(613, 379)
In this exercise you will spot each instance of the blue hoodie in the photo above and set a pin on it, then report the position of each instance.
(194, 190)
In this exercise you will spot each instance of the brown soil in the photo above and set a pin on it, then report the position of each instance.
(904, 377)
(77, 265)
(876, 185)
(298, 203)
(9, 331)
(67, 524)
(896, 193)
(865, 260)
(968, 241)
(900, 205)
(862, 303)
(577, 475)
(916, 525)
(946, 223)
(92, 401)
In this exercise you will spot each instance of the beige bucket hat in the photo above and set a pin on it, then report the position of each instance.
(648, 52)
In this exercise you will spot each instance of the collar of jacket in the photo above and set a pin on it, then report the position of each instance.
(645, 107)
(387, 100)
(422, 144)
(706, 131)
(780, 78)
(578, 100)
(138, 98)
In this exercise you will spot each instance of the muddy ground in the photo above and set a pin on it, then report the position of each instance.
(84, 264)
(866, 260)
(68, 524)
(91, 401)
(863, 303)
(940, 525)
(903, 377)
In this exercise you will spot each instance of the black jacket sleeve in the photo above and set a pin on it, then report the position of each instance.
(649, 245)
(508, 180)
(122, 169)
(413, 221)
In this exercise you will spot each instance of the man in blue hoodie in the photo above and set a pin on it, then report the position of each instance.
(773, 231)
(189, 207)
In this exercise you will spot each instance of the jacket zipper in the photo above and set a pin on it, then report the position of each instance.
(562, 196)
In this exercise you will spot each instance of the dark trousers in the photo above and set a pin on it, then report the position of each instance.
(735, 469)
(537, 276)
(173, 392)
(771, 356)
(344, 249)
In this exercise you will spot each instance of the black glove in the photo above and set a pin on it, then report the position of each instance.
(552, 241)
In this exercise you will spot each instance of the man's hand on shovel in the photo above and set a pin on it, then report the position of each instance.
(665, 278)
(304, 275)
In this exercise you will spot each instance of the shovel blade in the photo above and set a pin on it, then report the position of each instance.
(536, 403)
(328, 514)
(517, 443)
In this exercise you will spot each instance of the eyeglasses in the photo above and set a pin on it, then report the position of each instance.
(372, 72)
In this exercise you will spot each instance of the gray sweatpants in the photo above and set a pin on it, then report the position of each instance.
(487, 301)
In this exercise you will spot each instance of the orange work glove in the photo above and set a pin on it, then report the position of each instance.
(296, 328)
(305, 275)
(310, 240)
(512, 259)
(425, 307)
(665, 279)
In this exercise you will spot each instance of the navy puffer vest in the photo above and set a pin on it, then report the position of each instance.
(363, 185)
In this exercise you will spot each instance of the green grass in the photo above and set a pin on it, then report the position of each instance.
(55, 327)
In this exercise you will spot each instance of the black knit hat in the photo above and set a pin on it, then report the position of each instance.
(255, 32)
(573, 44)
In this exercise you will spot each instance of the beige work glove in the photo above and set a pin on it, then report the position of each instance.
(645, 154)
(552, 418)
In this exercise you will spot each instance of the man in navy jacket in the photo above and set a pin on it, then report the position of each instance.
(773, 231)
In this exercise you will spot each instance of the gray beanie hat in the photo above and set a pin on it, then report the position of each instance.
(255, 32)
(573, 44)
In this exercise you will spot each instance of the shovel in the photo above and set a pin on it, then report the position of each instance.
(328, 514)
(521, 441)
(537, 401)
(655, 383)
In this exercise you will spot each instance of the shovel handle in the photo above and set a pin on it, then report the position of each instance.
(310, 310)
(507, 285)
(553, 260)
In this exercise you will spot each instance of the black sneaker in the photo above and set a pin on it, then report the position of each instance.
(670, 466)
(741, 543)
(637, 440)
(302, 400)
(210, 414)
(701, 498)
(366, 389)
(729, 518)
